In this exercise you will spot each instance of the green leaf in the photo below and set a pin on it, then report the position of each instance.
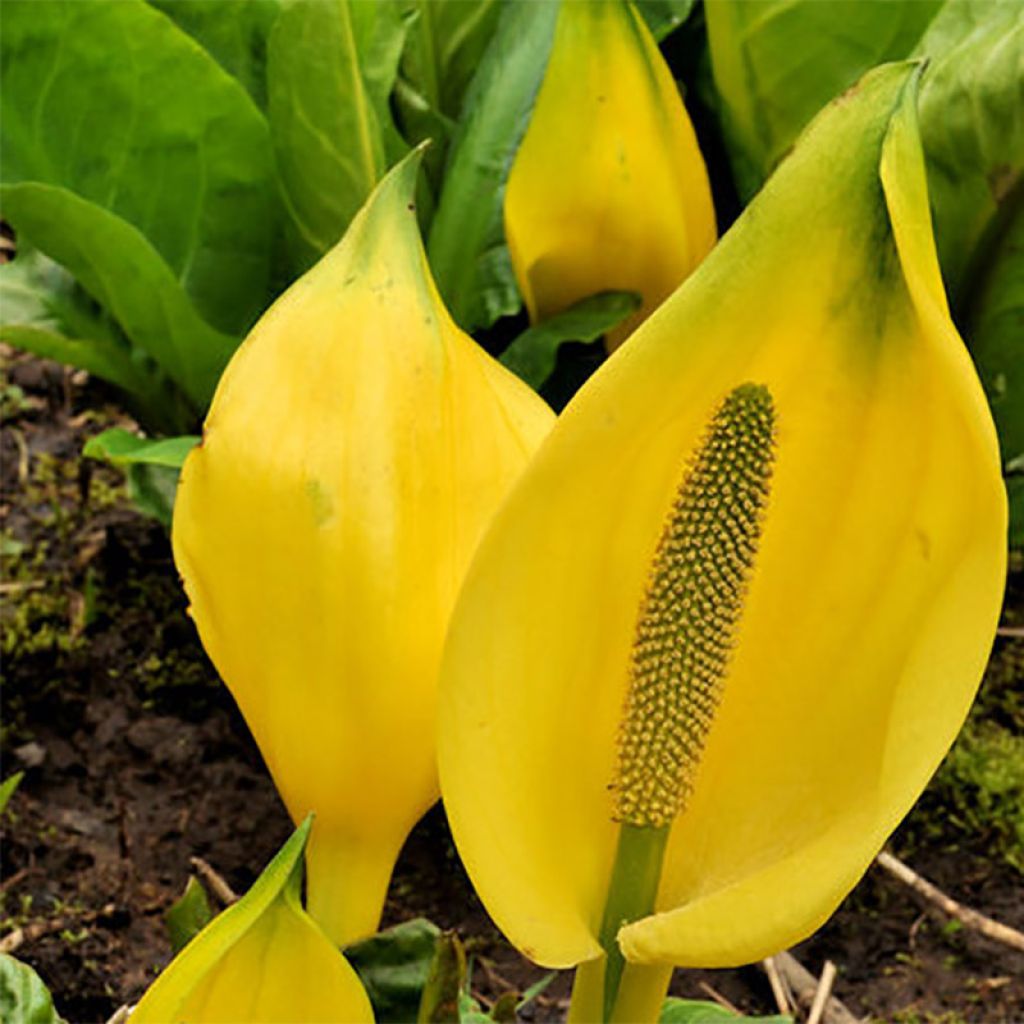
(995, 331)
(536, 989)
(664, 16)
(504, 1008)
(697, 1011)
(188, 915)
(466, 245)
(7, 788)
(972, 129)
(234, 32)
(331, 68)
(111, 101)
(119, 268)
(470, 1011)
(776, 63)
(394, 966)
(125, 448)
(151, 467)
(152, 490)
(43, 310)
(532, 355)
(36, 292)
(439, 1003)
(446, 42)
(24, 999)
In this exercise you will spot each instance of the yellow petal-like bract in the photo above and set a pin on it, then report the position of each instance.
(856, 624)
(356, 448)
(262, 961)
(608, 190)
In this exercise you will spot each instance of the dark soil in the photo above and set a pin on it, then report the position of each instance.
(136, 759)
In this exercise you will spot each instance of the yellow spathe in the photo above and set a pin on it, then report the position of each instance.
(356, 448)
(608, 190)
(262, 961)
(871, 606)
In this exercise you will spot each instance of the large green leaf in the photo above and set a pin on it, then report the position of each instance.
(331, 68)
(776, 63)
(234, 32)
(118, 267)
(467, 248)
(24, 999)
(110, 100)
(972, 128)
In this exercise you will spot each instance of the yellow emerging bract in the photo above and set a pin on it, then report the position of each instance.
(608, 190)
(869, 611)
(356, 448)
(262, 961)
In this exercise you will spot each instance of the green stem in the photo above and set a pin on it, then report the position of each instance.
(631, 894)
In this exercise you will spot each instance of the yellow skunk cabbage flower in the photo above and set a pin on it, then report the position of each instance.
(356, 448)
(608, 190)
(262, 961)
(766, 552)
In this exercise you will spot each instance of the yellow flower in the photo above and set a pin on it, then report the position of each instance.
(744, 592)
(608, 190)
(356, 448)
(262, 961)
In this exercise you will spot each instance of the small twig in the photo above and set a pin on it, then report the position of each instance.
(778, 989)
(828, 976)
(17, 877)
(215, 881)
(965, 915)
(1012, 631)
(805, 985)
(717, 996)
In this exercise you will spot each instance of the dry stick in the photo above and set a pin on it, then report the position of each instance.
(216, 882)
(1012, 631)
(775, 980)
(805, 985)
(717, 996)
(828, 975)
(965, 915)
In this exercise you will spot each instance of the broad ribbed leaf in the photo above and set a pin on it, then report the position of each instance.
(467, 247)
(234, 32)
(972, 124)
(122, 271)
(776, 63)
(111, 101)
(331, 68)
